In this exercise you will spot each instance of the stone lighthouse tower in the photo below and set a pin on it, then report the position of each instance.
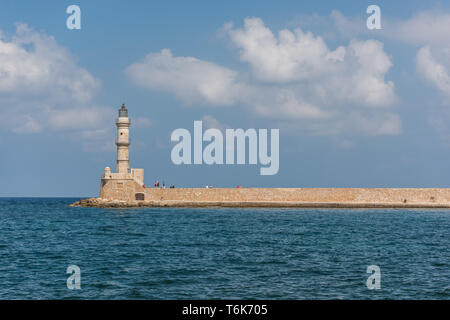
(127, 183)
(123, 140)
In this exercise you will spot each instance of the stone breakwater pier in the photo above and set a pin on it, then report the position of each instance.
(126, 188)
(280, 197)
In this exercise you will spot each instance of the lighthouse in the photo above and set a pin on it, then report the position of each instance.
(126, 183)
(123, 140)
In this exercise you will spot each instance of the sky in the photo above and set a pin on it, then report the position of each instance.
(354, 107)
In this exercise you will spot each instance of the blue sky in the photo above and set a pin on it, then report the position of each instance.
(355, 107)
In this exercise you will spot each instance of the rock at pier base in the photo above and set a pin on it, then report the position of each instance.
(103, 203)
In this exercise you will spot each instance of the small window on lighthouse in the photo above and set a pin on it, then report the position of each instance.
(121, 133)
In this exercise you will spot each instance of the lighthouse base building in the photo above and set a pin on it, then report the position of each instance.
(123, 186)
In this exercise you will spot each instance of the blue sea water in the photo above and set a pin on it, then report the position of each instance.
(217, 253)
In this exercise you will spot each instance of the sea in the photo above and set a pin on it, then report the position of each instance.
(221, 253)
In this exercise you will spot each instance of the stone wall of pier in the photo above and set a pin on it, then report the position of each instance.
(308, 195)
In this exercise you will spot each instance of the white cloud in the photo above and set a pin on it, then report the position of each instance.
(292, 56)
(379, 124)
(433, 71)
(35, 65)
(298, 55)
(348, 74)
(43, 88)
(293, 76)
(191, 80)
(349, 27)
(429, 30)
(427, 27)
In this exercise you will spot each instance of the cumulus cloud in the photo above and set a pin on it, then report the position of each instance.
(433, 71)
(354, 73)
(292, 56)
(427, 27)
(33, 63)
(349, 26)
(192, 80)
(292, 76)
(43, 88)
(427, 30)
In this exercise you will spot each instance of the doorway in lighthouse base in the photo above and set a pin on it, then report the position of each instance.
(140, 196)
